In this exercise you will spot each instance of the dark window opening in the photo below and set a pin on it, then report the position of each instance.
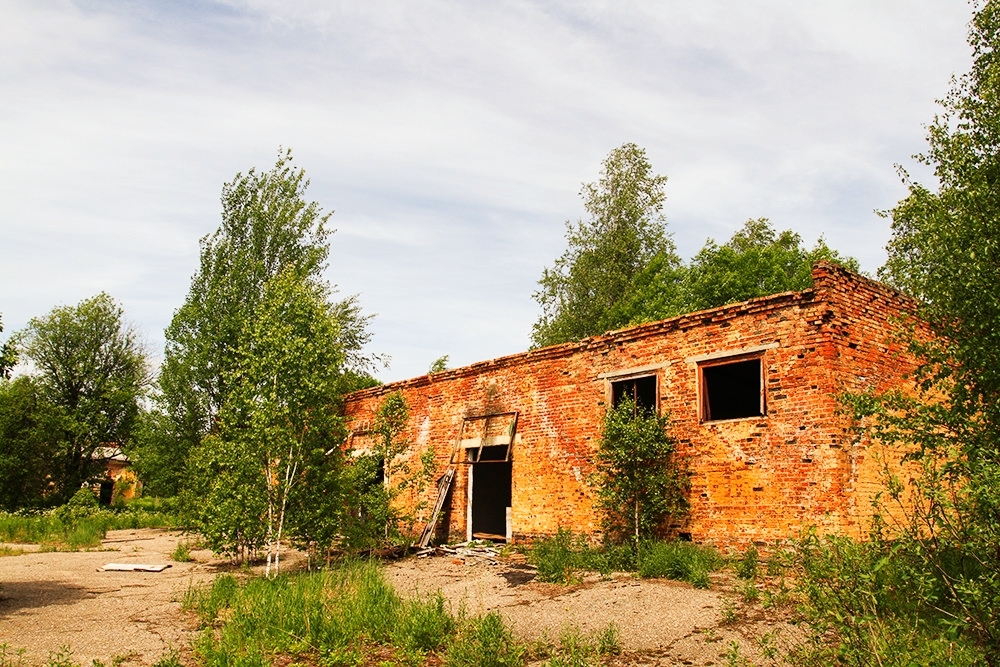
(642, 392)
(732, 390)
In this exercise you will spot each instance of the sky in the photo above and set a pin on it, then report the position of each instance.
(450, 139)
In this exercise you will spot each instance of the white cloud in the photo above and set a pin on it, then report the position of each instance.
(450, 137)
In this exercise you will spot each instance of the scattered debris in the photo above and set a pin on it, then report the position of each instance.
(466, 553)
(132, 567)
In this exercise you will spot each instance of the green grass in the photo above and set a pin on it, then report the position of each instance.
(562, 557)
(576, 648)
(182, 553)
(683, 561)
(61, 530)
(344, 616)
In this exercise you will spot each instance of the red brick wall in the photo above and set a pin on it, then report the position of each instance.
(756, 479)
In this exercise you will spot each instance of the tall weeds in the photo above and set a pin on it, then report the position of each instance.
(346, 615)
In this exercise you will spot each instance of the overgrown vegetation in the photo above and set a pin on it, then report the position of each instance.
(926, 588)
(341, 616)
(564, 557)
(640, 484)
(81, 523)
(621, 266)
(350, 615)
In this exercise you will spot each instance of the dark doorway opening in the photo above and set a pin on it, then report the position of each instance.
(732, 390)
(642, 392)
(491, 487)
(107, 492)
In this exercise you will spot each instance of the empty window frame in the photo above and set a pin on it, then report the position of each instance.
(731, 388)
(486, 438)
(641, 391)
(361, 445)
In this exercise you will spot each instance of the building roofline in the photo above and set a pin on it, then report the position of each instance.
(826, 278)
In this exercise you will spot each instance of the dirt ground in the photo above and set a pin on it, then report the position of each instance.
(54, 600)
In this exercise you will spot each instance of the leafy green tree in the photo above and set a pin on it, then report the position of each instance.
(91, 368)
(755, 262)
(440, 364)
(605, 253)
(622, 268)
(640, 485)
(8, 356)
(283, 410)
(29, 441)
(255, 363)
(945, 250)
(268, 226)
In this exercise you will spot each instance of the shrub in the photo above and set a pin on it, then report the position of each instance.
(82, 505)
(639, 481)
(182, 553)
(682, 561)
(558, 557)
(485, 642)
(867, 603)
(746, 565)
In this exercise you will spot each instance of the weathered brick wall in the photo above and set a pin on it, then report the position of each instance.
(756, 479)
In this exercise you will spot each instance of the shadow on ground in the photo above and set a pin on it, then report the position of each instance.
(19, 595)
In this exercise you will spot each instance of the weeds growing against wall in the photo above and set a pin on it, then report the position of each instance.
(563, 557)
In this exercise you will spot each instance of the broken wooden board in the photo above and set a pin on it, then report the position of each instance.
(133, 567)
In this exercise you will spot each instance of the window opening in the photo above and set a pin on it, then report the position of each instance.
(486, 438)
(732, 390)
(642, 391)
(362, 445)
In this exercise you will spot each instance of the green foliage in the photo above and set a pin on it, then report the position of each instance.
(625, 231)
(91, 369)
(640, 486)
(876, 603)
(255, 363)
(29, 445)
(153, 454)
(485, 642)
(82, 505)
(683, 561)
(755, 262)
(338, 616)
(80, 527)
(8, 356)
(620, 266)
(746, 565)
(182, 552)
(12, 658)
(561, 558)
(576, 648)
(558, 557)
(208, 601)
(934, 587)
(440, 364)
(377, 478)
(267, 227)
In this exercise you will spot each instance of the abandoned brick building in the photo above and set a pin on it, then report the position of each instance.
(750, 390)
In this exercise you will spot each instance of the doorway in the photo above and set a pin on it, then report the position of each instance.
(490, 488)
